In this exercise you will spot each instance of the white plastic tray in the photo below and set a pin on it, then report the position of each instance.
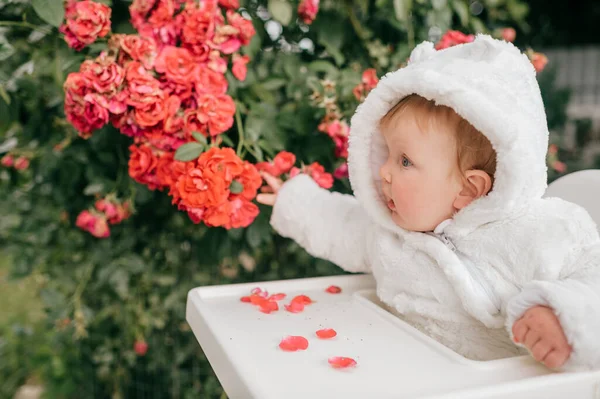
(394, 359)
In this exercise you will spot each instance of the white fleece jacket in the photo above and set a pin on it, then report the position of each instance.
(469, 281)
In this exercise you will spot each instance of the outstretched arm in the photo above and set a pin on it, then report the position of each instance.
(328, 225)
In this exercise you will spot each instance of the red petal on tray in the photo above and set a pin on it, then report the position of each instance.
(333, 289)
(245, 299)
(268, 306)
(257, 300)
(260, 292)
(326, 333)
(294, 307)
(277, 297)
(293, 343)
(341, 362)
(303, 299)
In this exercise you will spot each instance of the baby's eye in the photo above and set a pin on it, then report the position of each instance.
(406, 162)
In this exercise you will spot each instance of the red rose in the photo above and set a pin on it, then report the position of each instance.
(140, 347)
(284, 161)
(317, 172)
(216, 111)
(177, 64)
(21, 163)
(239, 68)
(539, 61)
(138, 48)
(307, 10)
(452, 38)
(85, 22)
(105, 76)
(7, 161)
(142, 166)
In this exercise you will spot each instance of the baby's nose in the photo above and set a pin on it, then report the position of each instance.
(385, 175)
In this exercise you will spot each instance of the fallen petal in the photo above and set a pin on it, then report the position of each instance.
(294, 307)
(245, 299)
(293, 343)
(268, 307)
(333, 289)
(303, 299)
(341, 362)
(257, 300)
(326, 333)
(256, 291)
(277, 297)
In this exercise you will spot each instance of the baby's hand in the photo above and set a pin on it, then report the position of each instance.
(274, 184)
(540, 331)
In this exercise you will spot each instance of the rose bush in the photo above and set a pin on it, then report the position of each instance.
(132, 136)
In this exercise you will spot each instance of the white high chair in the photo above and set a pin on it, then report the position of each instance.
(394, 359)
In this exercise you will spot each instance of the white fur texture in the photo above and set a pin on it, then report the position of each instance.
(523, 249)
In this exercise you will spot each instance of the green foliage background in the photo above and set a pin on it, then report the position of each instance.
(134, 284)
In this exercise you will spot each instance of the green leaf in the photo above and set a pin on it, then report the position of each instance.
(93, 189)
(274, 83)
(439, 4)
(199, 137)
(402, 9)
(227, 140)
(334, 51)
(189, 152)
(462, 10)
(236, 187)
(4, 95)
(281, 10)
(51, 11)
(323, 66)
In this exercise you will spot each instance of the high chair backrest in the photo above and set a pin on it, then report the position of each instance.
(581, 188)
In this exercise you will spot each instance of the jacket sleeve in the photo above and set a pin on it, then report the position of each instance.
(328, 225)
(575, 299)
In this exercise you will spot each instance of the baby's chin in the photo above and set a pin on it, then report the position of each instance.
(410, 225)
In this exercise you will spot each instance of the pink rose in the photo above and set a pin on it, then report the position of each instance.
(94, 224)
(7, 161)
(509, 34)
(21, 163)
(341, 171)
(539, 61)
(307, 10)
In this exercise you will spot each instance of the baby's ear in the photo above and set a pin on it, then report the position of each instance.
(477, 183)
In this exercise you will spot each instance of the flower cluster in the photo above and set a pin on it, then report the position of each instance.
(161, 87)
(9, 161)
(283, 166)
(217, 189)
(106, 211)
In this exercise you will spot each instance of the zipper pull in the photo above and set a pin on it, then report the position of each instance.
(447, 242)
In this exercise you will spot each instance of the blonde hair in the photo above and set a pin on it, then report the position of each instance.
(474, 150)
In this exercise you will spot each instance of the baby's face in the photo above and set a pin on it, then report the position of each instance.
(421, 178)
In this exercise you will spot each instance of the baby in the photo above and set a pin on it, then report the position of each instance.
(447, 164)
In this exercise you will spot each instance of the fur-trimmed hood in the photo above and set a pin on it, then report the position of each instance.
(488, 82)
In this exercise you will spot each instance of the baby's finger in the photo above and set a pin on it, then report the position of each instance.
(266, 189)
(556, 358)
(266, 199)
(519, 330)
(272, 181)
(541, 349)
(531, 338)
